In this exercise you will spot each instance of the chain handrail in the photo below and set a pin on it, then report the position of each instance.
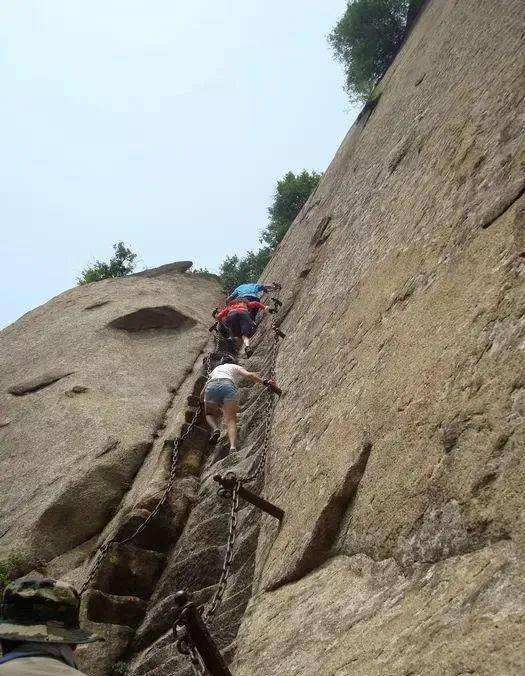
(210, 610)
(268, 421)
(186, 647)
(110, 542)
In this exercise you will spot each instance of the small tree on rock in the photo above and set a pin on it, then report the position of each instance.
(235, 270)
(366, 39)
(122, 263)
(290, 196)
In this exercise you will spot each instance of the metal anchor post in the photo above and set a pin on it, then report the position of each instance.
(227, 483)
(278, 333)
(190, 619)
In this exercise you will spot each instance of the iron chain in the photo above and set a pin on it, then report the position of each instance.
(210, 610)
(106, 546)
(185, 647)
(267, 420)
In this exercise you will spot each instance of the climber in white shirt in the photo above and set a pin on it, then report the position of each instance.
(222, 396)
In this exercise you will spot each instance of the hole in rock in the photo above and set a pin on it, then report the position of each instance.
(96, 305)
(321, 234)
(162, 317)
(37, 383)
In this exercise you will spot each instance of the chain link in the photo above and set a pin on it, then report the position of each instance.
(195, 660)
(269, 405)
(210, 610)
(106, 546)
(186, 647)
(207, 360)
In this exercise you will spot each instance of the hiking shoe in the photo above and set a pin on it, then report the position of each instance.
(214, 437)
(248, 351)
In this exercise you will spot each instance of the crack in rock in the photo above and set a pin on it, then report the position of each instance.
(38, 382)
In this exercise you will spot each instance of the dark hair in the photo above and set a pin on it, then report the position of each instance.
(227, 359)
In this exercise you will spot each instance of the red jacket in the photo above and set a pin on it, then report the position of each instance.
(239, 306)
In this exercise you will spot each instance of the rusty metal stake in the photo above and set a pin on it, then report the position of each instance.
(227, 482)
(278, 332)
(189, 618)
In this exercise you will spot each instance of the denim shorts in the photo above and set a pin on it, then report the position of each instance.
(219, 391)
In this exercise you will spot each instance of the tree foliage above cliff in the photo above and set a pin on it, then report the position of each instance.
(291, 193)
(122, 263)
(366, 39)
(290, 196)
(235, 270)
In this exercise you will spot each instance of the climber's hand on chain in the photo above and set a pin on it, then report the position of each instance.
(272, 385)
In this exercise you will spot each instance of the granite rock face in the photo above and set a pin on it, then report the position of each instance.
(396, 449)
(353, 615)
(85, 382)
(405, 332)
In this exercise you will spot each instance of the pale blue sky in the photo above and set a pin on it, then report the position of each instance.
(160, 123)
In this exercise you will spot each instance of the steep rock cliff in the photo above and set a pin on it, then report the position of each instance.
(396, 448)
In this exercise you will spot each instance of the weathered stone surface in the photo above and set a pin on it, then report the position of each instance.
(357, 616)
(395, 449)
(409, 318)
(129, 570)
(113, 609)
(37, 382)
(74, 443)
(408, 327)
(98, 659)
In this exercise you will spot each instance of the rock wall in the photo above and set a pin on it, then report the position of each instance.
(395, 448)
(398, 446)
(90, 384)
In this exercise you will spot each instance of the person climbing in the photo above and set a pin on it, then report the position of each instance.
(220, 394)
(238, 321)
(39, 627)
(251, 291)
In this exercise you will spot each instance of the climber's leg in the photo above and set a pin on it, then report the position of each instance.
(212, 411)
(212, 422)
(246, 325)
(229, 409)
(231, 322)
(247, 328)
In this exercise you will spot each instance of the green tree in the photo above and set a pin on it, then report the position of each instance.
(203, 272)
(290, 196)
(366, 39)
(235, 270)
(122, 263)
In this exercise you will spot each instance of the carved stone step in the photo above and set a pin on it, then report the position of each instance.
(129, 571)
(160, 533)
(197, 442)
(112, 609)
